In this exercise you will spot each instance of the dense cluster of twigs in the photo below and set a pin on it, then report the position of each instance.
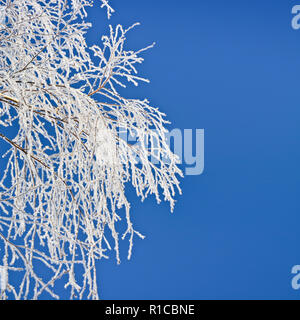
(62, 191)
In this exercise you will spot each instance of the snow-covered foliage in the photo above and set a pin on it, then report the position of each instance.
(62, 193)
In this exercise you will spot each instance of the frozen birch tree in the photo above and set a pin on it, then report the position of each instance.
(65, 166)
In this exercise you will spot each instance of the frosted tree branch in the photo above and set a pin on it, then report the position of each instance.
(62, 192)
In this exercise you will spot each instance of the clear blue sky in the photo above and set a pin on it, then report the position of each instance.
(232, 68)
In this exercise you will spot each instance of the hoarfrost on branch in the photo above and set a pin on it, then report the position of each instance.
(62, 192)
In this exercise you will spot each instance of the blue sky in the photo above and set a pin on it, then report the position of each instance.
(232, 68)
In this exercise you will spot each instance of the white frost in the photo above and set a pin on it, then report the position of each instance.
(62, 193)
